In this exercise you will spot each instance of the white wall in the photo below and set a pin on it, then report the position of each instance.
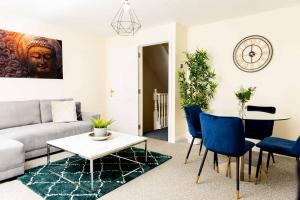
(181, 46)
(84, 62)
(278, 84)
(83, 67)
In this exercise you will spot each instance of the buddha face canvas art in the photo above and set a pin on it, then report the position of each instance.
(28, 56)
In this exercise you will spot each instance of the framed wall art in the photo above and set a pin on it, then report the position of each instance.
(28, 56)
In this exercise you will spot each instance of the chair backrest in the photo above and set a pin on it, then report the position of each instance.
(193, 119)
(296, 147)
(223, 135)
(267, 109)
(259, 129)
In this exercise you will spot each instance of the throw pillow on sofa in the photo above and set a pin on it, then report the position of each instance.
(63, 111)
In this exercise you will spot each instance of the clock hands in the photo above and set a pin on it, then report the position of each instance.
(251, 53)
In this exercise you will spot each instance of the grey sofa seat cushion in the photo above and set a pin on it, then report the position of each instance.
(11, 154)
(35, 136)
(45, 106)
(19, 113)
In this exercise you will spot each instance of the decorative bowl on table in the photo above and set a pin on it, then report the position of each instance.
(100, 138)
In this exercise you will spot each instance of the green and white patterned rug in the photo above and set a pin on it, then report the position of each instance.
(108, 173)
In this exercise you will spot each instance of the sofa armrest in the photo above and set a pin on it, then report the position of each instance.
(87, 116)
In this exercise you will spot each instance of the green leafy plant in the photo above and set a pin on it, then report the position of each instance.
(100, 123)
(200, 85)
(244, 95)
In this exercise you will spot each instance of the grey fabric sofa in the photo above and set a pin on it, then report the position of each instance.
(26, 126)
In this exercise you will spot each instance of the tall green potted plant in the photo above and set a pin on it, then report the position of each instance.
(198, 86)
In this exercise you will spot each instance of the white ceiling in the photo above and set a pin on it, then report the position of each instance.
(96, 15)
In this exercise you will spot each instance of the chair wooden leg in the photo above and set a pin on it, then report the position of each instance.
(201, 166)
(214, 161)
(268, 163)
(273, 157)
(261, 167)
(188, 154)
(201, 144)
(229, 173)
(237, 178)
(250, 164)
(217, 163)
(258, 165)
(228, 165)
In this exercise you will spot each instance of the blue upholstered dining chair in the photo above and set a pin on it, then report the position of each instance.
(193, 121)
(260, 129)
(279, 146)
(192, 114)
(225, 135)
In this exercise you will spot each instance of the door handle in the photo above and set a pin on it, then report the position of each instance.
(111, 92)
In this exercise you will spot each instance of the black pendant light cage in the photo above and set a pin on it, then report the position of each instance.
(126, 23)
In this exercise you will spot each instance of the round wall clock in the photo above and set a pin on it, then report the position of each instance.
(252, 53)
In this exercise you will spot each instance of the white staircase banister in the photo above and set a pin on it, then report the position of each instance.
(160, 110)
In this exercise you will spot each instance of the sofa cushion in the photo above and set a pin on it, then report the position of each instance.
(63, 111)
(45, 106)
(11, 154)
(35, 136)
(19, 113)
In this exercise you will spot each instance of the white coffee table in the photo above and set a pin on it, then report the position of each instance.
(91, 150)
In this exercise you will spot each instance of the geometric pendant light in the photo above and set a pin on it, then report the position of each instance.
(126, 22)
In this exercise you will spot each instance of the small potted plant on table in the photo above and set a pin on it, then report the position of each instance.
(244, 95)
(100, 126)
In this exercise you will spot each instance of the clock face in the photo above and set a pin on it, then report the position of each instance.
(252, 53)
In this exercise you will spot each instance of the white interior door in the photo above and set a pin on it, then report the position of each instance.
(123, 86)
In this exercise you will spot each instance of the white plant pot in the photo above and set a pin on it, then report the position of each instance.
(100, 132)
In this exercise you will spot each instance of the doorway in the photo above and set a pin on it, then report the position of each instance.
(154, 62)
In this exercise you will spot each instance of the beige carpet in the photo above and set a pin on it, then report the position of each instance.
(176, 181)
